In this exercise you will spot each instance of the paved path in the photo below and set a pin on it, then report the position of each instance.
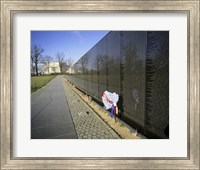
(50, 115)
(87, 123)
(58, 112)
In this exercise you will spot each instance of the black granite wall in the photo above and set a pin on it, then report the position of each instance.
(157, 83)
(133, 72)
(134, 64)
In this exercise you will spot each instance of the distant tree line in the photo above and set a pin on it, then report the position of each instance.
(38, 58)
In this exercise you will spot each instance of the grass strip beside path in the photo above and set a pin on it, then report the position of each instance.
(39, 81)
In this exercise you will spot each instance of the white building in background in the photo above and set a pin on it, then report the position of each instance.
(52, 68)
(70, 70)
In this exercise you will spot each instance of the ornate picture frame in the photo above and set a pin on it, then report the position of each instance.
(10, 8)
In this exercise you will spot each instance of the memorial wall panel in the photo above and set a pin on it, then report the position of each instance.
(94, 63)
(157, 111)
(133, 72)
(89, 69)
(85, 71)
(102, 65)
(113, 61)
(78, 74)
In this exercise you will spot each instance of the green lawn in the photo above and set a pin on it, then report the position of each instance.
(40, 81)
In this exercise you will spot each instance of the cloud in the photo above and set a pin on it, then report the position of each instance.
(80, 37)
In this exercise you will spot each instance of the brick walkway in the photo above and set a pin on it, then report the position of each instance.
(88, 124)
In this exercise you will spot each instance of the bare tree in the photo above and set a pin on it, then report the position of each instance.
(69, 61)
(61, 59)
(46, 60)
(32, 62)
(36, 57)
